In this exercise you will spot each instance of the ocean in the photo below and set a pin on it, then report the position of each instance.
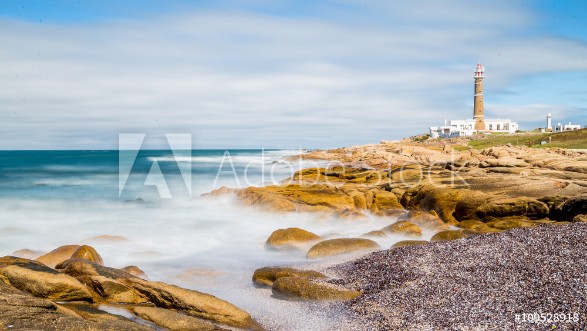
(211, 244)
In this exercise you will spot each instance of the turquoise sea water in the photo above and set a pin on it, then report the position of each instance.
(213, 244)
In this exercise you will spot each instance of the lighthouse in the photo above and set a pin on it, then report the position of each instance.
(478, 114)
(549, 122)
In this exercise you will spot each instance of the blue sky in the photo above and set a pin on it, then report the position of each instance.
(253, 74)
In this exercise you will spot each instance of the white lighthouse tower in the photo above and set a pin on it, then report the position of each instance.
(549, 122)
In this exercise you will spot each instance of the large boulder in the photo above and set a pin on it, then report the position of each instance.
(103, 281)
(290, 238)
(437, 198)
(58, 255)
(506, 207)
(192, 302)
(137, 290)
(21, 311)
(87, 253)
(341, 246)
(306, 289)
(403, 227)
(41, 281)
(266, 276)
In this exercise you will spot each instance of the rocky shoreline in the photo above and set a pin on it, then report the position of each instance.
(506, 229)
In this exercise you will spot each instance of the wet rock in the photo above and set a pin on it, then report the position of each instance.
(386, 200)
(290, 238)
(301, 288)
(57, 255)
(404, 227)
(360, 201)
(341, 246)
(448, 235)
(580, 218)
(376, 233)
(425, 220)
(441, 199)
(510, 223)
(266, 276)
(404, 243)
(87, 253)
(174, 321)
(193, 303)
(135, 271)
(41, 281)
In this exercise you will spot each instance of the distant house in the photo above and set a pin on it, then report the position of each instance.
(567, 127)
(463, 128)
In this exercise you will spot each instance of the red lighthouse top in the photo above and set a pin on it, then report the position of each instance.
(479, 70)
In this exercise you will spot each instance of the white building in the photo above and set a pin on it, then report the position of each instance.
(567, 127)
(463, 128)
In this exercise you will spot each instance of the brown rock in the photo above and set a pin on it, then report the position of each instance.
(442, 200)
(266, 276)
(57, 255)
(376, 233)
(87, 253)
(510, 223)
(360, 201)
(404, 243)
(173, 321)
(425, 220)
(290, 238)
(135, 271)
(41, 281)
(505, 207)
(386, 200)
(22, 311)
(404, 227)
(341, 246)
(306, 289)
(192, 302)
(448, 235)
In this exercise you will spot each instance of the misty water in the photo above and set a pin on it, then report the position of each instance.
(211, 244)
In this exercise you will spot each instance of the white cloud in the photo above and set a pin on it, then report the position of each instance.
(242, 79)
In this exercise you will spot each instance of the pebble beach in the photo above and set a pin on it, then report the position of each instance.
(484, 282)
